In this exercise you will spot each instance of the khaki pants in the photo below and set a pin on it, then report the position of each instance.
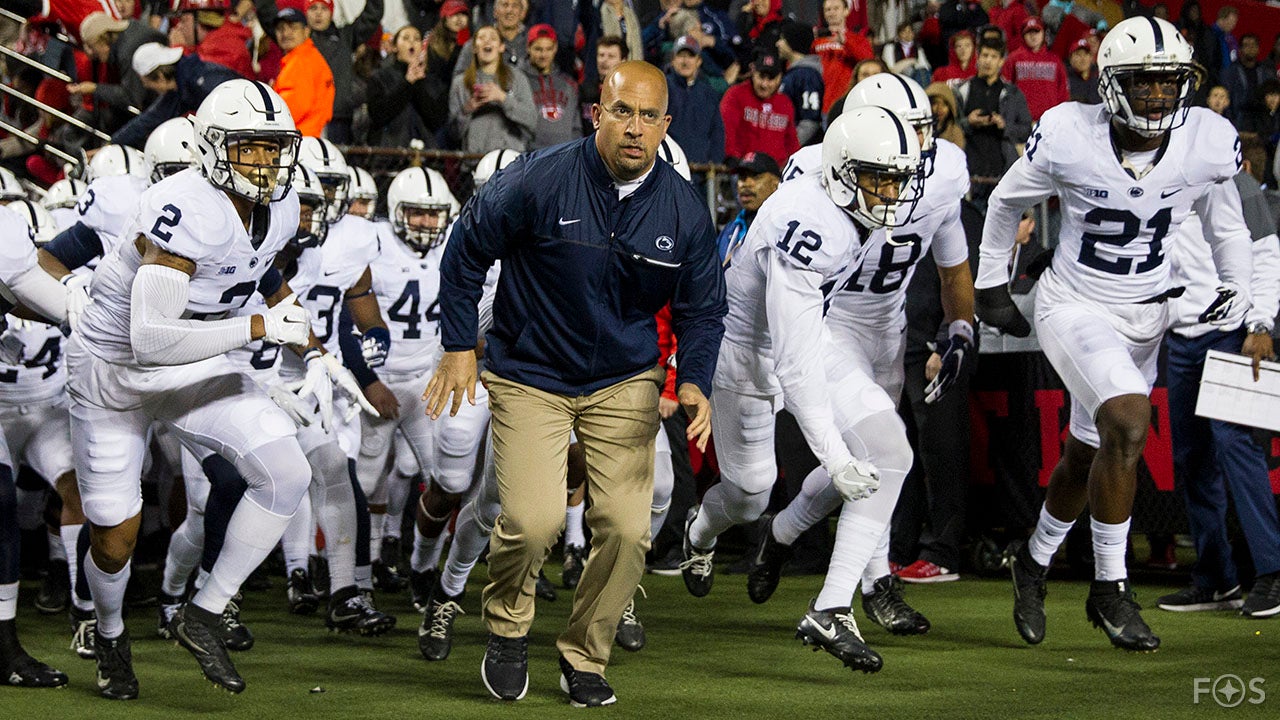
(616, 427)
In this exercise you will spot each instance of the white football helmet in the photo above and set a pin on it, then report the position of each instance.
(65, 193)
(171, 148)
(10, 188)
(905, 97)
(671, 151)
(326, 161)
(244, 111)
(311, 197)
(1133, 54)
(423, 190)
(873, 144)
(491, 163)
(363, 188)
(43, 227)
(113, 160)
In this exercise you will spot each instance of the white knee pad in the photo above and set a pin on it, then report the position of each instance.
(278, 475)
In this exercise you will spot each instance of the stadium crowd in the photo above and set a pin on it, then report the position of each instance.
(750, 84)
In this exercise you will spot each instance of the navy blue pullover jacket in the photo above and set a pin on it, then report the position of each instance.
(583, 273)
(196, 79)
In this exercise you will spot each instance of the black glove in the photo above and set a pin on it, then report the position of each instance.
(995, 307)
(1220, 309)
(952, 352)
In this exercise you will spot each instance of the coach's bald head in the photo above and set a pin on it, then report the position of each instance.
(631, 118)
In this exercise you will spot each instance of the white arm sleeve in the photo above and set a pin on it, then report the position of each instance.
(161, 337)
(793, 304)
(1266, 281)
(1228, 236)
(37, 289)
(1020, 188)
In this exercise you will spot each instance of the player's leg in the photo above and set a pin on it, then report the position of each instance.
(48, 453)
(631, 635)
(404, 472)
(575, 535)
(186, 545)
(743, 428)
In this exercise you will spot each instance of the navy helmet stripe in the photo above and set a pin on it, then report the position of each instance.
(266, 100)
(911, 98)
(902, 133)
(1158, 33)
(427, 177)
(125, 153)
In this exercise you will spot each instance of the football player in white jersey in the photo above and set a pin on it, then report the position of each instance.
(867, 321)
(352, 244)
(21, 281)
(151, 347)
(1128, 172)
(364, 194)
(61, 200)
(807, 240)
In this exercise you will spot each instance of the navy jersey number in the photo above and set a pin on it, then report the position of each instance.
(891, 270)
(46, 357)
(170, 219)
(86, 201)
(264, 358)
(1130, 227)
(805, 245)
(325, 308)
(405, 310)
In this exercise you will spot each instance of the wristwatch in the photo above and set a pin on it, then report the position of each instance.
(1257, 328)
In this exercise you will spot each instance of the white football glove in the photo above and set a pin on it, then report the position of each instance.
(316, 389)
(347, 382)
(286, 323)
(11, 345)
(78, 299)
(857, 480)
(293, 405)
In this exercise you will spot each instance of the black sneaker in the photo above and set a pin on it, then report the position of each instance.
(55, 591)
(505, 670)
(630, 633)
(318, 569)
(201, 633)
(668, 565)
(167, 606)
(302, 596)
(352, 611)
(435, 635)
(1111, 606)
(836, 631)
(574, 559)
(1196, 599)
(1028, 592)
(544, 590)
(886, 608)
(386, 578)
(1264, 599)
(116, 680)
(698, 567)
(19, 669)
(84, 627)
(585, 689)
(234, 633)
(420, 585)
(766, 563)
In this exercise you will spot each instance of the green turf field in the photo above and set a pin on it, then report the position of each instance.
(717, 657)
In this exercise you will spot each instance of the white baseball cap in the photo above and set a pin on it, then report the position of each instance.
(152, 55)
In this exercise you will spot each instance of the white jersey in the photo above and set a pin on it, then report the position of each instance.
(800, 247)
(876, 293)
(40, 375)
(109, 207)
(350, 247)
(805, 161)
(64, 217)
(305, 274)
(17, 251)
(1115, 229)
(186, 216)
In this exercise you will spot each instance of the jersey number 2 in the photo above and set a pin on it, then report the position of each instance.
(169, 219)
(1130, 229)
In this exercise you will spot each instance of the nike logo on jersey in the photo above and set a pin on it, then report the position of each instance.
(1169, 193)
(569, 222)
(327, 273)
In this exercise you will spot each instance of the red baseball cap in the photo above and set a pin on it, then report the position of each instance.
(1032, 23)
(453, 7)
(1081, 44)
(542, 30)
(326, 3)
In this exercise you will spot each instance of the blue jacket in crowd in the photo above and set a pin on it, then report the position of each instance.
(583, 273)
(695, 118)
(196, 79)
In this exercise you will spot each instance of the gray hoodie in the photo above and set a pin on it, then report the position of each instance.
(494, 127)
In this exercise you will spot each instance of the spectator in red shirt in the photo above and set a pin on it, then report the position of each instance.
(962, 66)
(839, 49)
(1009, 16)
(758, 117)
(1037, 71)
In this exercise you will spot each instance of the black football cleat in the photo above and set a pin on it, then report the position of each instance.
(201, 633)
(630, 634)
(435, 635)
(18, 668)
(166, 607)
(835, 631)
(1112, 607)
(886, 608)
(352, 611)
(1028, 592)
(585, 689)
(301, 595)
(116, 680)
(544, 590)
(55, 591)
(571, 572)
(235, 634)
(698, 566)
(766, 563)
(505, 670)
(420, 585)
(84, 626)
(386, 578)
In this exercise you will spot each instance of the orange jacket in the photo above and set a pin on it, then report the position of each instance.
(306, 84)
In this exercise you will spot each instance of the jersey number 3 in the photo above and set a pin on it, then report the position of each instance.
(1130, 227)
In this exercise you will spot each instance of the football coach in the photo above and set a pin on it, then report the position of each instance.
(594, 238)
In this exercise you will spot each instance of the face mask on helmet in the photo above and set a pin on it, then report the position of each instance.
(364, 194)
(253, 164)
(313, 225)
(884, 197)
(421, 225)
(1149, 101)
